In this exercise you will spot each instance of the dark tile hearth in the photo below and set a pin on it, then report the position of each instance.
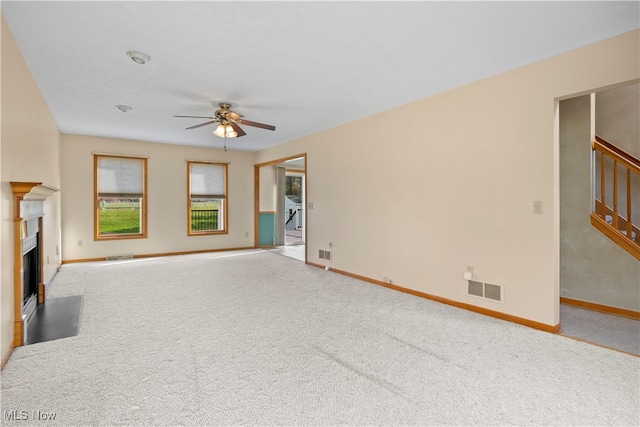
(56, 318)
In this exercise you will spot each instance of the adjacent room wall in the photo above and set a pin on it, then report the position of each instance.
(618, 117)
(30, 151)
(167, 198)
(593, 268)
(267, 189)
(267, 205)
(420, 192)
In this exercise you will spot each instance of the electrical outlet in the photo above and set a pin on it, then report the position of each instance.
(385, 279)
(246, 234)
(79, 242)
(310, 205)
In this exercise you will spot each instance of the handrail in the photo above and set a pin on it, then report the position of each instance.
(619, 228)
(611, 150)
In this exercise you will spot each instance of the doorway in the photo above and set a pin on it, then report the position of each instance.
(280, 200)
(294, 221)
(598, 280)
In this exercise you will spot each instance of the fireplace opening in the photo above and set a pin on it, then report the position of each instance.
(30, 275)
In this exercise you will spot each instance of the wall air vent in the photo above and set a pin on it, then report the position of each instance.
(322, 254)
(476, 289)
(485, 291)
(493, 292)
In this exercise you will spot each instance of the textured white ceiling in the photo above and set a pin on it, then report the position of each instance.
(301, 66)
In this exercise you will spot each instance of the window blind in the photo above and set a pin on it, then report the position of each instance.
(120, 177)
(207, 180)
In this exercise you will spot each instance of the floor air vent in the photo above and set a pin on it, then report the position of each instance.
(119, 257)
(485, 291)
(322, 254)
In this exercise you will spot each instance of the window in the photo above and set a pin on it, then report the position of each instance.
(120, 197)
(207, 204)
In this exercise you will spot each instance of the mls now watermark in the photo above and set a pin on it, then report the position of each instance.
(16, 415)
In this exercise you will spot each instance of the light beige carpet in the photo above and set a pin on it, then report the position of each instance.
(257, 338)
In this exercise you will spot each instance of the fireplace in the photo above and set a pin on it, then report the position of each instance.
(29, 288)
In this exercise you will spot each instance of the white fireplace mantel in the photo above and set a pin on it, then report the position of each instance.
(30, 198)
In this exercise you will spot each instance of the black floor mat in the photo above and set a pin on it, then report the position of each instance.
(56, 318)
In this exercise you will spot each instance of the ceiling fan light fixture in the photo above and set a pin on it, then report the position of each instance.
(225, 131)
(138, 57)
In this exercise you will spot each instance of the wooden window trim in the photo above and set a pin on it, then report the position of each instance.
(225, 204)
(96, 201)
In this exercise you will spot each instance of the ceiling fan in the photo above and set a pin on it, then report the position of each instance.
(229, 122)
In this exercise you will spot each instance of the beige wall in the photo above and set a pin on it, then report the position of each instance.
(593, 268)
(30, 151)
(453, 183)
(167, 198)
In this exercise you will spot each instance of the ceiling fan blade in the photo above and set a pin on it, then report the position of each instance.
(196, 117)
(237, 129)
(202, 124)
(256, 124)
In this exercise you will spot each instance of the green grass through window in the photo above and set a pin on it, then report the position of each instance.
(120, 221)
(120, 215)
(123, 217)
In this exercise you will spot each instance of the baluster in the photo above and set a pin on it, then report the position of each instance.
(614, 221)
(603, 204)
(629, 223)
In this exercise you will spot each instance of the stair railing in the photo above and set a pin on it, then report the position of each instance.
(608, 219)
